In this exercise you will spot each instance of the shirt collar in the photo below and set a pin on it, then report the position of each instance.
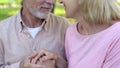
(19, 21)
(47, 22)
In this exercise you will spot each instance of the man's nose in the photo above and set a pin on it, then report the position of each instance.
(50, 1)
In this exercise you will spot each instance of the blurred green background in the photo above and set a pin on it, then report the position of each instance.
(11, 7)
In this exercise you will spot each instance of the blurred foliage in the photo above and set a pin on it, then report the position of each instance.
(7, 12)
(9, 1)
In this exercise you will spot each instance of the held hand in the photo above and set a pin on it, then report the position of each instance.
(45, 55)
(47, 64)
(60, 62)
(27, 62)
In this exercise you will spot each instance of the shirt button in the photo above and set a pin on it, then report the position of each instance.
(28, 36)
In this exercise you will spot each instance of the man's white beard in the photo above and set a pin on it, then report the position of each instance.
(40, 15)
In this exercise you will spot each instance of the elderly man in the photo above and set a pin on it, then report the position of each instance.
(33, 38)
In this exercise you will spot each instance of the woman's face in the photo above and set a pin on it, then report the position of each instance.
(71, 8)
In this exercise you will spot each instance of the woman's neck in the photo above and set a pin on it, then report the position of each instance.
(87, 28)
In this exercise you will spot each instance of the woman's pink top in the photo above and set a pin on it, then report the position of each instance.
(100, 50)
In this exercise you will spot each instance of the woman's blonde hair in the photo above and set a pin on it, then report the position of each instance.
(99, 11)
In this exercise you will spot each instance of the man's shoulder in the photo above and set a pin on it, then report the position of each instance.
(7, 21)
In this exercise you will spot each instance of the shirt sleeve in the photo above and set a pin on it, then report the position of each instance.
(1, 53)
(2, 62)
(112, 59)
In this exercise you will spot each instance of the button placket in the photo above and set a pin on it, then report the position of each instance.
(29, 36)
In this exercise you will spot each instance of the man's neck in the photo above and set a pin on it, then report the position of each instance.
(30, 20)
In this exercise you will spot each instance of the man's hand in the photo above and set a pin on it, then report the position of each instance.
(45, 55)
(47, 64)
(44, 59)
(27, 62)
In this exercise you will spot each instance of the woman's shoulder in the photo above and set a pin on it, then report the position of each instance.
(116, 26)
(114, 30)
(72, 27)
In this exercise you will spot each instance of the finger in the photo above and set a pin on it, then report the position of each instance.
(44, 58)
(37, 66)
(47, 55)
(35, 59)
(33, 55)
(27, 60)
(42, 53)
(40, 62)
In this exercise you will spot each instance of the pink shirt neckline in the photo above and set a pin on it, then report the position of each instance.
(82, 35)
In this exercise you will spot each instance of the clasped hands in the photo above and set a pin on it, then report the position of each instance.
(41, 59)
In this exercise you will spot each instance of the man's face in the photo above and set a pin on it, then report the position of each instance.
(38, 8)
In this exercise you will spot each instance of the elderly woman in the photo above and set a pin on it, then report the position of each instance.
(94, 41)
